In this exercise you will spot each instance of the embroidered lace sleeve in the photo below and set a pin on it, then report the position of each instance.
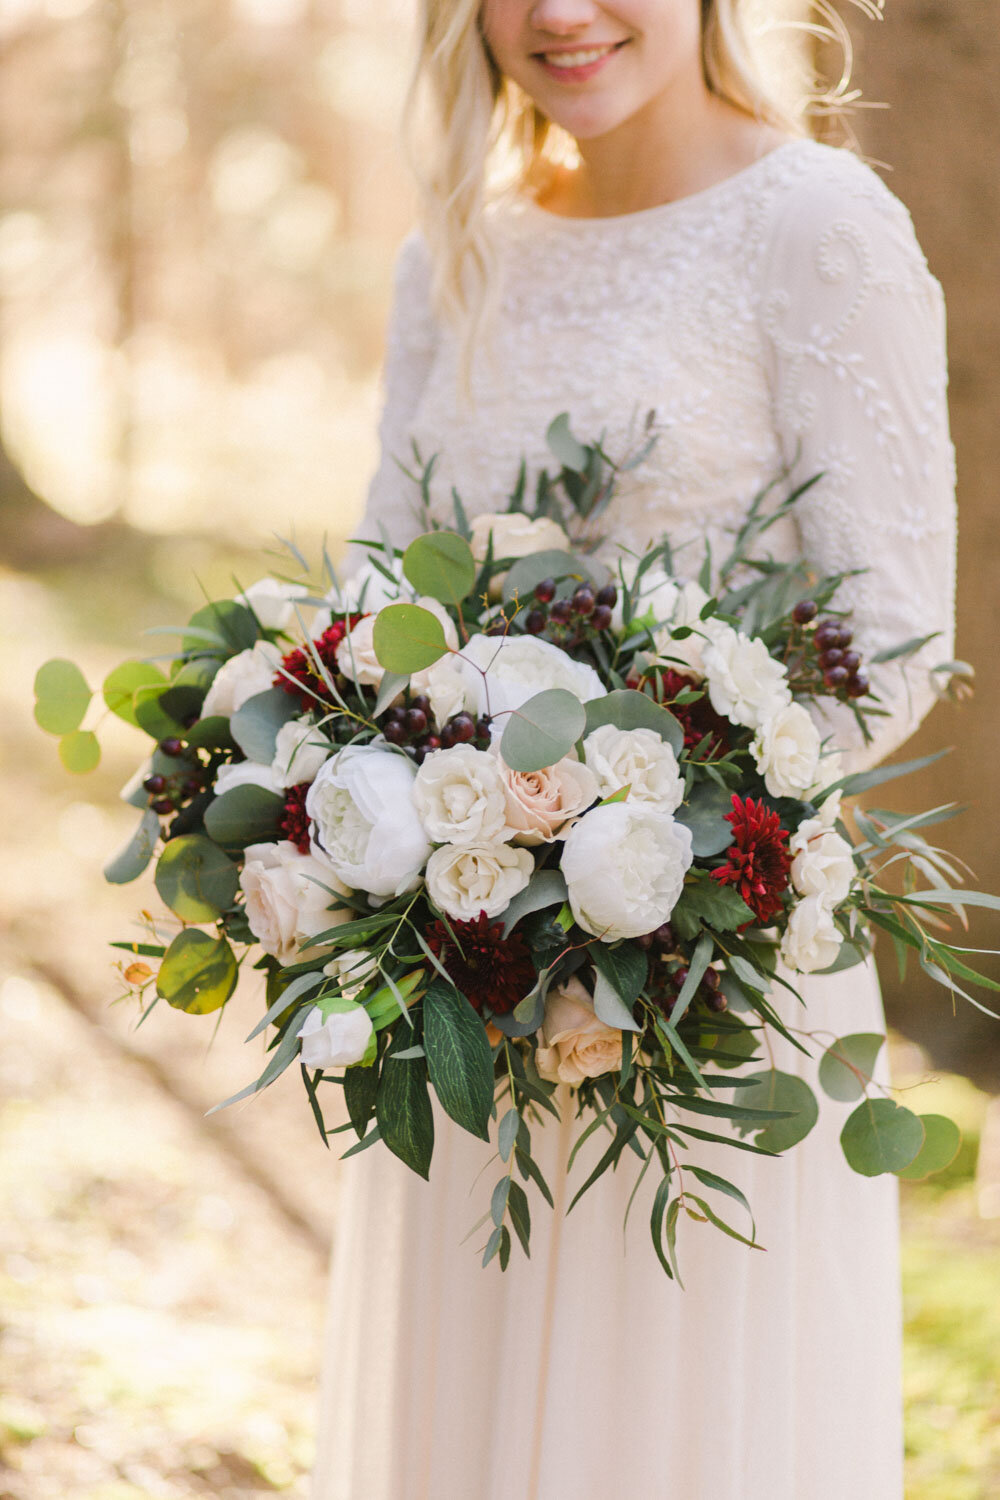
(854, 324)
(411, 339)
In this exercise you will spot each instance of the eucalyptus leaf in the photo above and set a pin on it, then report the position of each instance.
(844, 1060)
(244, 815)
(627, 708)
(547, 888)
(542, 730)
(441, 564)
(408, 638)
(255, 724)
(198, 973)
(61, 696)
(570, 453)
(881, 1136)
(704, 814)
(942, 1139)
(528, 572)
(129, 863)
(80, 751)
(121, 685)
(196, 879)
(784, 1091)
(232, 625)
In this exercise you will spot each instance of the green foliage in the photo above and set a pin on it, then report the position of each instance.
(844, 1060)
(62, 696)
(121, 686)
(620, 975)
(195, 878)
(129, 863)
(942, 1142)
(881, 1136)
(255, 724)
(459, 1058)
(198, 974)
(528, 571)
(244, 815)
(542, 730)
(403, 1106)
(569, 452)
(360, 1090)
(781, 1091)
(441, 564)
(547, 888)
(627, 708)
(408, 638)
(79, 751)
(222, 628)
(704, 814)
(704, 900)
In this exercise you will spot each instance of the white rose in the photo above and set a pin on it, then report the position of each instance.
(685, 655)
(356, 654)
(624, 866)
(460, 797)
(638, 759)
(285, 897)
(575, 1043)
(786, 751)
(272, 601)
(336, 1040)
(745, 683)
(822, 864)
(465, 879)
(540, 803)
(516, 535)
(830, 769)
(364, 820)
(518, 667)
(299, 751)
(241, 677)
(246, 773)
(811, 939)
(353, 968)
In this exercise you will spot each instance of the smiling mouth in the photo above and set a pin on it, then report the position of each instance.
(582, 57)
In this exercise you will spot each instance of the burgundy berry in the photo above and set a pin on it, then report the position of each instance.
(447, 737)
(545, 591)
(162, 806)
(396, 716)
(851, 660)
(831, 658)
(827, 635)
(836, 677)
(172, 745)
(562, 611)
(191, 787)
(463, 727)
(607, 596)
(601, 618)
(534, 622)
(804, 611)
(666, 1004)
(645, 941)
(583, 601)
(189, 720)
(424, 704)
(420, 754)
(858, 685)
(395, 732)
(716, 1000)
(711, 979)
(416, 722)
(679, 977)
(483, 726)
(844, 636)
(663, 936)
(155, 784)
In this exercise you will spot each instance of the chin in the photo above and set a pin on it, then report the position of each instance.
(590, 120)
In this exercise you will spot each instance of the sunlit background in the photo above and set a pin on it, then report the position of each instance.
(200, 202)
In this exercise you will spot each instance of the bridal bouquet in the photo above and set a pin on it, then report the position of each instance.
(496, 817)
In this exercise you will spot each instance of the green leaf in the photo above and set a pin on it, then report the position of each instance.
(510, 1124)
(211, 734)
(786, 1092)
(196, 879)
(403, 1107)
(390, 687)
(666, 1256)
(520, 1215)
(121, 685)
(459, 1057)
(861, 781)
(552, 563)
(61, 696)
(543, 730)
(244, 815)
(881, 1136)
(621, 974)
(498, 1200)
(627, 708)
(570, 453)
(224, 625)
(492, 1246)
(837, 1074)
(152, 711)
(198, 974)
(441, 564)
(254, 726)
(129, 863)
(717, 906)
(79, 751)
(704, 814)
(547, 888)
(408, 638)
(942, 1138)
(360, 1089)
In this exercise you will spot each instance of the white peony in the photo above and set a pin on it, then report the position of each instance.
(541, 803)
(241, 677)
(299, 751)
(638, 759)
(465, 879)
(811, 939)
(786, 751)
(460, 797)
(624, 866)
(353, 968)
(822, 864)
(518, 667)
(246, 773)
(364, 820)
(516, 535)
(745, 683)
(272, 601)
(336, 1040)
(285, 897)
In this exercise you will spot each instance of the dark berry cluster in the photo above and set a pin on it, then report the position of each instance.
(669, 972)
(570, 619)
(169, 791)
(828, 650)
(414, 727)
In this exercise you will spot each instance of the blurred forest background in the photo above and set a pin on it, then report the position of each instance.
(200, 202)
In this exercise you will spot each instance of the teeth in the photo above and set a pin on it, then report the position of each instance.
(576, 59)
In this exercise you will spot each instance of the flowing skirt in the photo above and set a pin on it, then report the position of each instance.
(585, 1372)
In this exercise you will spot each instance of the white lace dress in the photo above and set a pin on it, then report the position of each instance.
(787, 308)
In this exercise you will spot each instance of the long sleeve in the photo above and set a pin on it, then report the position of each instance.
(411, 340)
(854, 325)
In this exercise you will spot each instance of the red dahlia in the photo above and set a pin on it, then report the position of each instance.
(489, 969)
(696, 719)
(299, 675)
(295, 820)
(758, 862)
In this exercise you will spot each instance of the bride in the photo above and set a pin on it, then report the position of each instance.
(765, 294)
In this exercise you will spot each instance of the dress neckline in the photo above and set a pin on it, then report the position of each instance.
(672, 205)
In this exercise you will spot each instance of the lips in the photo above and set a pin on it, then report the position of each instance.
(575, 63)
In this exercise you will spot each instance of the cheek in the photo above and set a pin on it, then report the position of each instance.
(500, 23)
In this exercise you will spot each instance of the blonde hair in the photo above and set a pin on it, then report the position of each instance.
(470, 134)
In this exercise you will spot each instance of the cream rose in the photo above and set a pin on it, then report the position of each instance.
(364, 821)
(745, 683)
(540, 803)
(624, 865)
(465, 879)
(786, 750)
(459, 796)
(811, 939)
(638, 759)
(502, 673)
(285, 897)
(822, 864)
(353, 968)
(241, 677)
(516, 535)
(299, 751)
(336, 1040)
(575, 1043)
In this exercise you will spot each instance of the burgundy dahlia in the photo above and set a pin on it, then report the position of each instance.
(696, 719)
(295, 820)
(489, 969)
(757, 862)
(300, 677)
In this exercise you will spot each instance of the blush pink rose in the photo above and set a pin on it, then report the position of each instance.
(540, 803)
(576, 1044)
